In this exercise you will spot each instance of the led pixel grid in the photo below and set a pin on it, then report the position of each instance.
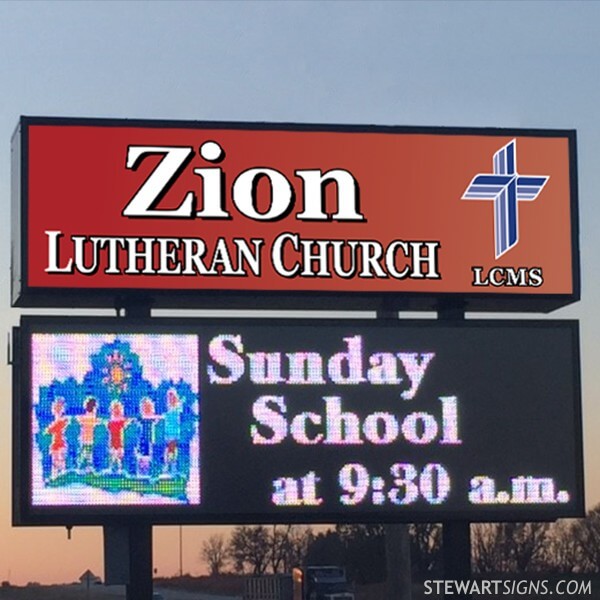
(220, 421)
(114, 419)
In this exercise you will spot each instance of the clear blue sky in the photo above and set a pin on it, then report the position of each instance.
(498, 64)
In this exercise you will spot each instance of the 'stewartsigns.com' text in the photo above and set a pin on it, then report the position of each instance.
(506, 587)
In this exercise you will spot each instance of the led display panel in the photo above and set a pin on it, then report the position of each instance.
(253, 420)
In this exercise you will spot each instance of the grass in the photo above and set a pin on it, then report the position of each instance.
(54, 592)
(114, 482)
(232, 585)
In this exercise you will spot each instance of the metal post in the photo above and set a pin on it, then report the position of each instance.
(140, 562)
(397, 555)
(456, 534)
(180, 551)
(397, 540)
(140, 533)
(457, 552)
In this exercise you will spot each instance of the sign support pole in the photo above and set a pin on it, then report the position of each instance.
(140, 533)
(397, 553)
(457, 551)
(456, 537)
(140, 562)
(397, 541)
(128, 558)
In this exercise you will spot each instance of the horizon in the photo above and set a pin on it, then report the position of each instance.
(356, 63)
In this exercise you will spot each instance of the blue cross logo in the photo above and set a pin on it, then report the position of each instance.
(505, 187)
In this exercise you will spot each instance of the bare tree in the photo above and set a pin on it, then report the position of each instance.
(278, 540)
(587, 534)
(364, 551)
(214, 553)
(259, 549)
(249, 548)
(297, 541)
(526, 543)
(486, 550)
(426, 546)
(562, 552)
(509, 546)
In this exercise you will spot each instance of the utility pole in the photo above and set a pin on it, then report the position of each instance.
(181, 551)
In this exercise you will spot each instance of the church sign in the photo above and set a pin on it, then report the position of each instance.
(277, 421)
(205, 214)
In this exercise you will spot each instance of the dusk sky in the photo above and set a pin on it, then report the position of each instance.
(471, 64)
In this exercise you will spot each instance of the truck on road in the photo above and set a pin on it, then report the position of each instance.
(308, 583)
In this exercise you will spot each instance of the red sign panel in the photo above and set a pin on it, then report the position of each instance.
(215, 214)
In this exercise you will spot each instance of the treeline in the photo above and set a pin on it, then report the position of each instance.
(566, 546)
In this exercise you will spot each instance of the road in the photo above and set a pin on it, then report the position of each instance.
(118, 591)
(96, 592)
(180, 595)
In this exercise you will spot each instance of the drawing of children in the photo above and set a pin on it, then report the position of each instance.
(131, 440)
(44, 442)
(72, 435)
(172, 420)
(100, 451)
(148, 418)
(116, 424)
(88, 422)
(56, 429)
(157, 459)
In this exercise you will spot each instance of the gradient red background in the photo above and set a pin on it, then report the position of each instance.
(411, 186)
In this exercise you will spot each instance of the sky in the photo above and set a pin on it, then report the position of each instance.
(471, 64)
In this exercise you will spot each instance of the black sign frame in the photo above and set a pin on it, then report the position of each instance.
(25, 295)
(24, 513)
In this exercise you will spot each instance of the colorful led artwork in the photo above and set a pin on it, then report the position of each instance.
(115, 419)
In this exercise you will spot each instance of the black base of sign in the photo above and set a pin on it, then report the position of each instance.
(128, 558)
(457, 552)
